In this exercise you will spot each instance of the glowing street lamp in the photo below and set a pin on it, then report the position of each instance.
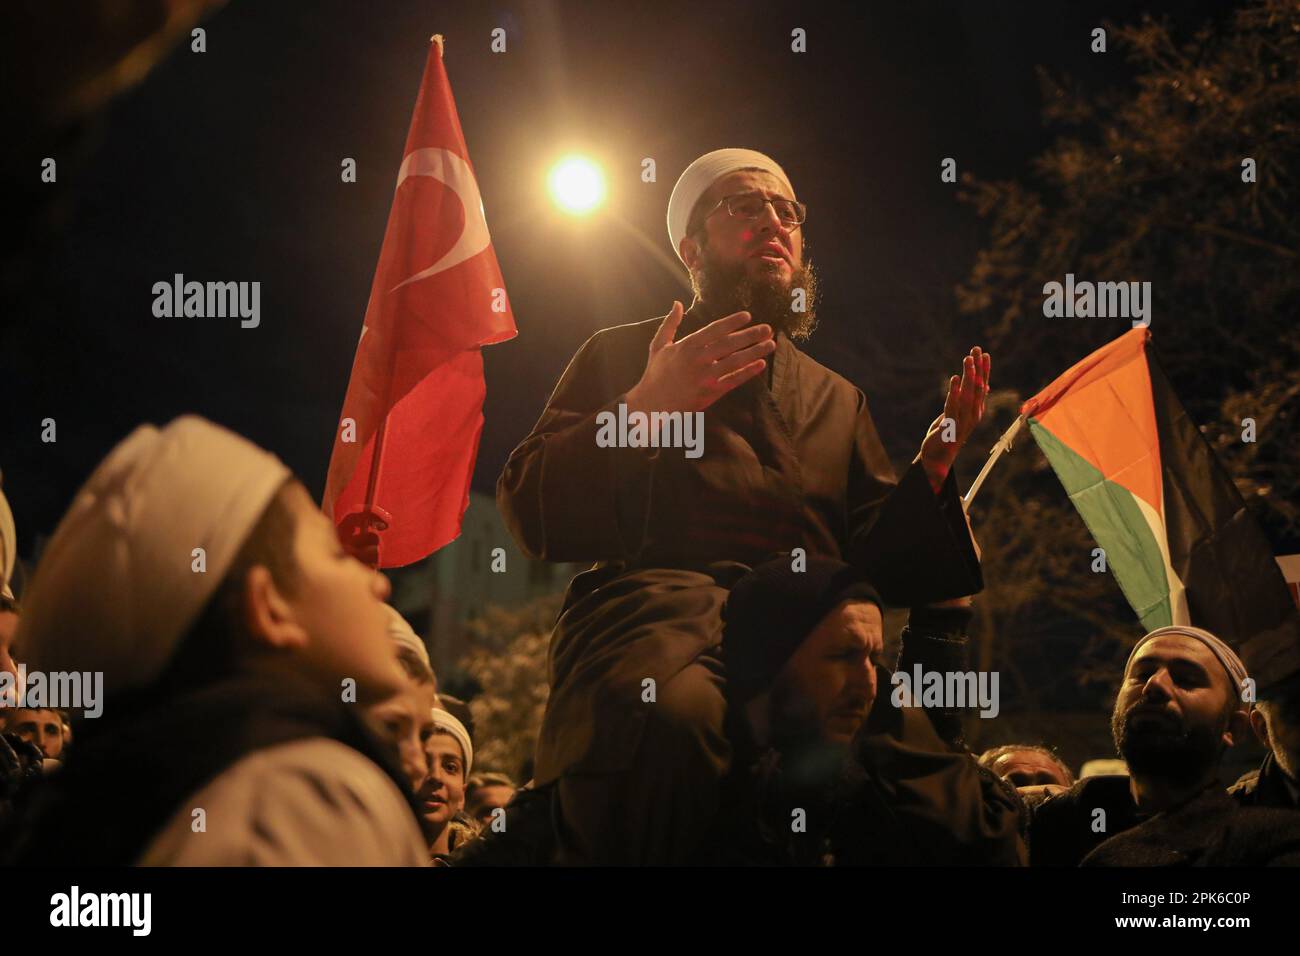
(577, 185)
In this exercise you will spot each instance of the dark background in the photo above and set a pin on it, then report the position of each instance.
(225, 166)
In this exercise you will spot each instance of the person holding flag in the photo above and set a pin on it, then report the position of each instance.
(632, 742)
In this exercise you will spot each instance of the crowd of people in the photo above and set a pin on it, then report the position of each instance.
(718, 690)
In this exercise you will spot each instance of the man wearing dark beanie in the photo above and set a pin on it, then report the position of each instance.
(826, 769)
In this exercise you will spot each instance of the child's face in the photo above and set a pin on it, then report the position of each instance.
(406, 719)
(338, 602)
(443, 791)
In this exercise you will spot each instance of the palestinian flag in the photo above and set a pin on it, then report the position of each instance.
(1176, 532)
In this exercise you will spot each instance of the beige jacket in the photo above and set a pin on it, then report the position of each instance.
(311, 802)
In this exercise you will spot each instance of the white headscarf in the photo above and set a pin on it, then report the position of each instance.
(448, 723)
(702, 174)
(403, 635)
(116, 588)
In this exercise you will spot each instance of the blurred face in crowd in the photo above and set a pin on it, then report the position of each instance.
(751, 264)
(38, 726)
(443, 792)
(486, 799)
(333, 614)
(1029, 768)
(9, 627)
(1177, 710)
(827, 687)
(406, 720)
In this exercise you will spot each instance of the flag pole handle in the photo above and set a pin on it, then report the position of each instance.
(1000, 447)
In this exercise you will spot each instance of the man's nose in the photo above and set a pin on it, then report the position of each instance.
(1159, 686)
(863, 681)
(383, 587)
(769, 222)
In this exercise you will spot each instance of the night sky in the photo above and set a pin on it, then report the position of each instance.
(224, 166)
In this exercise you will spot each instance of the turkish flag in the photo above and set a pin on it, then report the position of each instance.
(416, 391)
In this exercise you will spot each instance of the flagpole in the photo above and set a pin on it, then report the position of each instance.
(1000, 447)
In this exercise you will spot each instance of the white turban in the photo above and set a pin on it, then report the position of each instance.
(448, 723)
(116, 590)
(1225, 654)
(403, 635)
(8, 545)
(702, 174)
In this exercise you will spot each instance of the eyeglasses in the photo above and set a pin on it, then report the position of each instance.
(751, 205)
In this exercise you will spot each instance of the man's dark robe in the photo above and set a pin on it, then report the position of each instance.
(796, 465)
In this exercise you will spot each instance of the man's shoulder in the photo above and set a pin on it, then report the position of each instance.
(627, 333)
(1100, 791)
(307, 802)
(1246, 787)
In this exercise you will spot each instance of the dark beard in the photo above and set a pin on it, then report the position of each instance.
(729, 288)
(1163, 750)
(808, 759)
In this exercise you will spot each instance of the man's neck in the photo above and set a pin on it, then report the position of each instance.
(1155, 794)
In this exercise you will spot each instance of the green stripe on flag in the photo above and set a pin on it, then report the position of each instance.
(1117, 523)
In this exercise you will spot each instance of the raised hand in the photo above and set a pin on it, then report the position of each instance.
(962, 411)
(690, 375)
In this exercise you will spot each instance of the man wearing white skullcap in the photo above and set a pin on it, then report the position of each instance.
(1183, 702)
(237, 643)
(784, 456)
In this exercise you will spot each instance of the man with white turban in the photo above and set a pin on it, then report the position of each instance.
(1184, 700)
(237, 644)
(633, 738)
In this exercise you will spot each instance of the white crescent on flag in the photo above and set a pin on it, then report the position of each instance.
(446, 167)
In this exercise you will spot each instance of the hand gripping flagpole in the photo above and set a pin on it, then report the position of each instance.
(1000, 447)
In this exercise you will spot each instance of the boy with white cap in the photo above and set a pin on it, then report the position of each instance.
(237, 643)
(790, 459)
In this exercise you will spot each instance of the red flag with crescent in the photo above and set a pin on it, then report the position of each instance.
(408, 435)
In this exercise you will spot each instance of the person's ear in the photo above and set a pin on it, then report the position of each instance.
(690, 250)
(1239, 724)
(1260, 726)
(268, 615)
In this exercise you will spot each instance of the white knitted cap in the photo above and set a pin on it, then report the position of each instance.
(116, 588)
(702, 174)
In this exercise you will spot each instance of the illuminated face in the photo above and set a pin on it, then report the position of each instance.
(1173, 715)
(339, 603)
(1029, 768)
(443, 792)
(767, 248)
(40, 727)
(829, 684)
